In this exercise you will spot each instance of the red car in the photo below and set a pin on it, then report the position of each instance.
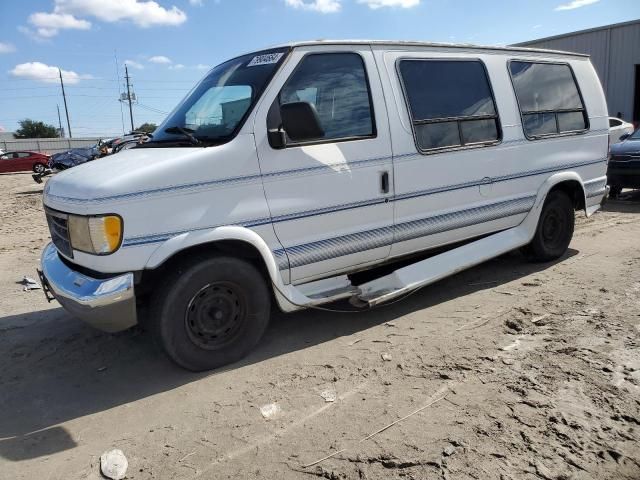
(23, 161)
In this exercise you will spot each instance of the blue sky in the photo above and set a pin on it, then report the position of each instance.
(169, 44)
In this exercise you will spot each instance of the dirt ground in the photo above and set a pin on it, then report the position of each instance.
(507, 371)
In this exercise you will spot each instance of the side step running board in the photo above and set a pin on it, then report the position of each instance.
(422, 273)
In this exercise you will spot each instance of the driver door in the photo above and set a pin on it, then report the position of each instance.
(329, 196)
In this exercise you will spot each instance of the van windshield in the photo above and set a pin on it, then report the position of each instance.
(213, 112)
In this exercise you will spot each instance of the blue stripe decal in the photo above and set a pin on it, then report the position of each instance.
(334, 247)
(161, 237)
(223, 182)
(172, 188)
(331, 167)
(595, 188)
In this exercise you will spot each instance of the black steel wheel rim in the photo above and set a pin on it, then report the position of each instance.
(553, 228)
(216, 315)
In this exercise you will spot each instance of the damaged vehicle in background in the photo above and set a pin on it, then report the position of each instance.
(72, 158)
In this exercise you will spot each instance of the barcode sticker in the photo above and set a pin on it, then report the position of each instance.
(266, 59)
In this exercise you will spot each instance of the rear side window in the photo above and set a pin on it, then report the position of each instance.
(450, 102)
(337, 85)
(549, 99)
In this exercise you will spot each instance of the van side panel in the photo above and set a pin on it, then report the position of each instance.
(459, 194)
(449, 196)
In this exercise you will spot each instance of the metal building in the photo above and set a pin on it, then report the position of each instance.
(615, 54)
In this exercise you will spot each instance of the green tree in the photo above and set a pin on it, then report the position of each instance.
(33, 129)
(147, 127)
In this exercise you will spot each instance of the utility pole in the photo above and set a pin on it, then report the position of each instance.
(65, 104)
(59, 121)
(126, 75)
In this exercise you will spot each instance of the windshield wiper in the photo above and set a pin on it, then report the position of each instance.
(187, 132)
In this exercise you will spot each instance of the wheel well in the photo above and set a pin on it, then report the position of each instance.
(573, 188)
(232, 248)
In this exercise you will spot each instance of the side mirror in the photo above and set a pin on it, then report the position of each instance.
(301, 122)
(277, 138)
(624, 137)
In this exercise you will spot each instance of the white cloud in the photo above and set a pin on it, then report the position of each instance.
(45, 73)
(375, 4)
(6, 48)
(142, 13)
(202, 66)
(67, 14)
(49, 24)
(134, 64)
(576, 4)
(161, 59)
(322, 6)
(195, 3)
(177, 66)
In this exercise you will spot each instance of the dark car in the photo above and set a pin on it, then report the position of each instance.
(73, 157)
(624, 165)
(23, 161)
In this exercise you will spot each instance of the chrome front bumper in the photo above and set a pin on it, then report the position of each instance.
(108, 304)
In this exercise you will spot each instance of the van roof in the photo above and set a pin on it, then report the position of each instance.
(401, 43)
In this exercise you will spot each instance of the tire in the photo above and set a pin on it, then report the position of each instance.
(210, 311)
(39, 168)
(615, 191)
(555, 229)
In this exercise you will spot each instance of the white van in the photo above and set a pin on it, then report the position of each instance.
(286, 170)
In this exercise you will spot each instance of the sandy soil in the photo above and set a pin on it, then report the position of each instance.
(518, 371)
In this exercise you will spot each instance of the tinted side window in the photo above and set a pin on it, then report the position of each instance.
(614, 123)
(336, 84)
(548, 97)
(451, 103)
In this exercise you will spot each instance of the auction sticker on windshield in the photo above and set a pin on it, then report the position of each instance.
(266, 59)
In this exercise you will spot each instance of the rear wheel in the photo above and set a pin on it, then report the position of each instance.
(555, 229)
(210, 312)
(39, 168)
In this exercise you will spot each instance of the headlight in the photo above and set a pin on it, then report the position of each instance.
(100, 235)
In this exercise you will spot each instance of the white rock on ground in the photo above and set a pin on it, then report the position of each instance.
(113, 464)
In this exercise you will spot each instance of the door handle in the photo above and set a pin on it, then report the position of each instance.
(384, 182)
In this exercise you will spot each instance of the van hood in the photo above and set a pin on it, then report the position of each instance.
(127, 174)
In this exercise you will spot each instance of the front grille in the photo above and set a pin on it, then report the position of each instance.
(59, 230)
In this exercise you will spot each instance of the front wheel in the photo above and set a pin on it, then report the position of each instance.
(555, 229)
(39, 168)
(210, 312)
